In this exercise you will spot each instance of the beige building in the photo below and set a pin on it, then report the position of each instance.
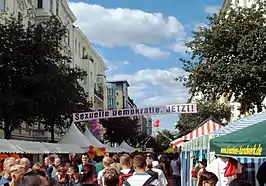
(77, 46)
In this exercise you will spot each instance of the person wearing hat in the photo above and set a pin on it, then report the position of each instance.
(161, 176)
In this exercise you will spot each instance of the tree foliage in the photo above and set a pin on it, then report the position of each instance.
(120, 129)
(189, 122)
(37, 83)
(163, 138)
(228, 57)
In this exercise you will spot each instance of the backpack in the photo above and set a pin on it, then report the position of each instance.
(123, 177)
(147, 183)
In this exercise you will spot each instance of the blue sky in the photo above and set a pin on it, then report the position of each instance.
(142, 41)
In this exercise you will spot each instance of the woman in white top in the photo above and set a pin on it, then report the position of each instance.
(176, 168)
(107, 162)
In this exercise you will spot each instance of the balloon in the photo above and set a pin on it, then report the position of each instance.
(93, 122)
(102, 149)
(156, 125)
(94, 153)
(91, 147)
(157, 121)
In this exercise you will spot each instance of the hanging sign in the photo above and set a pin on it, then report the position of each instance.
(159, 110)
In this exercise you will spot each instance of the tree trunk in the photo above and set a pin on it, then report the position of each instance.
(52, 125)
(7, 131)
(259, 106)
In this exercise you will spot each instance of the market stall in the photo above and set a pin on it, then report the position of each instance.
(127, 148)
(196, 148)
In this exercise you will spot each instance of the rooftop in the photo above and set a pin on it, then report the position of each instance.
(119, 82)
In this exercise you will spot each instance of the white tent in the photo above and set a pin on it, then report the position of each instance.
(30, 147)
(63, 148)
(75, 137)
(126, 147)
(7, 147)
(95, 142)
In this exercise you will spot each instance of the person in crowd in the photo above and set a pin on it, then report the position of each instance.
(85, 161)
(88, 176)
(163, 164)
(26, 163)
(111, 177)
(57, 163)
(140, 177)
(67, 165)
(149, 156)
(6, 178)
(208, 179)
(107, 162)
(161, 176)
(237, 182)
(116, 161)
(38, 166)
(74, 178)
(33, 178)
(261, 174)
(149, 169)
(51, 171)
(62, 176)
(176, 170)
(99, 165)
(16, 172)
(126, 164)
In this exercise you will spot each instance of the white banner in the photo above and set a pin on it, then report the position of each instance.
(169, 109)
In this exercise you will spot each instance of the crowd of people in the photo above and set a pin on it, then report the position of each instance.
(118, 170)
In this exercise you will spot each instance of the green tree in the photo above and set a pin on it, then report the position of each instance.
(228, 57)
(37, 84)
(189, 122)
(120, 129)
(163, 139)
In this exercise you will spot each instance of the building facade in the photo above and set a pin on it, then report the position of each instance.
(76, 45)
(117, 95)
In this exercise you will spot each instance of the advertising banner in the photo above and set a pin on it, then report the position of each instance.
(159, 110)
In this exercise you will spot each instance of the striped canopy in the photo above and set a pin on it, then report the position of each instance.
(242, 123)
(209, 126)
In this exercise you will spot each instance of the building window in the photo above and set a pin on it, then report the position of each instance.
(117, 94)
(76, 46)
(40, 4)
(2, 5)
(29, 24)
(91, 79)
(20, 17)
(117, 103)
(57, 7)
(79, 49)
(51, 6)
(84, 52)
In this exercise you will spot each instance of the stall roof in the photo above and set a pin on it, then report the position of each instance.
(7, 147)
(30, 147)
(249, 141)
(127, 148)
(242, 123)
(92, 139)
(75, 137)
(63, 148)
(208, 126)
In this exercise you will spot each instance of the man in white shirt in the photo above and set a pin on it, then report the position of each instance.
(126, 163)
(161, 176)
(140, 177)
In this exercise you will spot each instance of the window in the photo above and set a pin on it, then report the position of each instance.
(2, 5)
(51, 6)
(117, 103)
(40, 4)
(57, 7)
(117, 94)
(84, 52)
(76, 46)
(20, 17)
(29, 24)
(79, 49)
(91, 79)
(109, 102)
(85, 80)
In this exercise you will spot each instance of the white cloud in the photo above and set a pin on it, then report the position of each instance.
(150, 52)
(114, 65)
(151, 87)
(212, 9)
(180, 48)
(124, 27)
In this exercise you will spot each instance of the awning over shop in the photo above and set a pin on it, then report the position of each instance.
(7, 147)
(126, 147)
(249, 141)
(209, 126)
(63, 148)
(242, 123)
(29, 147)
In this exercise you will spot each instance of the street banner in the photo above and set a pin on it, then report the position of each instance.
(159, 110)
